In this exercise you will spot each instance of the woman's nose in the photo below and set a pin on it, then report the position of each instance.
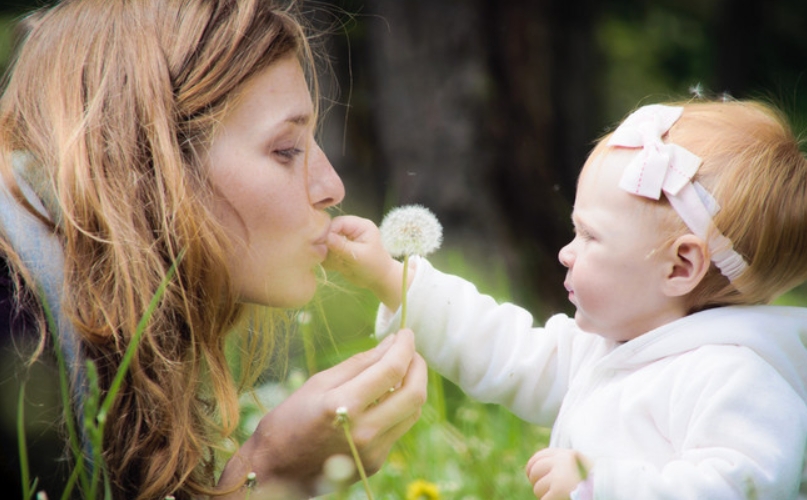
(325, 187)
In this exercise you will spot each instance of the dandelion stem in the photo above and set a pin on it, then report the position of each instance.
(403, 291)
(344, 421)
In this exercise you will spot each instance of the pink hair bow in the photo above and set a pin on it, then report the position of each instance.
(668, 167)
(658, 166)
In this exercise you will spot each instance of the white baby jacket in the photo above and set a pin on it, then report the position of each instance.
(711, 406)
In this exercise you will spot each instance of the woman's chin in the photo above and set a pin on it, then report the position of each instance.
(291, 296)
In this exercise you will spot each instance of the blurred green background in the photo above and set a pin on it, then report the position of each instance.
(484, 112)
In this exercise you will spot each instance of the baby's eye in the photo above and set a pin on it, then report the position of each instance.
(583, 234)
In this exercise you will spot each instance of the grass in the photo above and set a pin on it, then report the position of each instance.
(464, 449)
(95, 409)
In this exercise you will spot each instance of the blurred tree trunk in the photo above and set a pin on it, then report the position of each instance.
(739, 32)
(479, 110)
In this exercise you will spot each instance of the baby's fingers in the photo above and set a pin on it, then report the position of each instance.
(538, 467)
(350, 241)
(353, 228)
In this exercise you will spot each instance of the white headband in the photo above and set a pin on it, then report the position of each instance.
(670, 168)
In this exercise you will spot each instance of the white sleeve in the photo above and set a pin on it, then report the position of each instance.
(492, 351)
(741, 431)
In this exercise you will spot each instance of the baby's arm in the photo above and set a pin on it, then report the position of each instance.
(355, 250)
(492, 350)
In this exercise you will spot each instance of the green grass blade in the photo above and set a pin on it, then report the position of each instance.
(130, 350)
(74, 476)
(64, 386)
(27, 491)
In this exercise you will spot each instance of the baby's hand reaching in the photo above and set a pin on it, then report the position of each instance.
(555, 473)
(355, 250)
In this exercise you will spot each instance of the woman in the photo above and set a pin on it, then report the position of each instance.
(139, 135)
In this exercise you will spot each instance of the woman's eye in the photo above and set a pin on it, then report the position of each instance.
(288, 155)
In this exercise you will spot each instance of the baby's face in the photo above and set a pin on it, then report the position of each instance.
(618, 260)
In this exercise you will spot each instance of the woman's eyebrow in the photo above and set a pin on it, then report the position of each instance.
(300, 119)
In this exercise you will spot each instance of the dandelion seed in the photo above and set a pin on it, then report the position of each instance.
(696, 90)
(411, 230)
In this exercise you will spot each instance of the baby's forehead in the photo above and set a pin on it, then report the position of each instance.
(598, 188)
(607, 163)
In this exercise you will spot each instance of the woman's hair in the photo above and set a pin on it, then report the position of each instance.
(116, 102)
(753, 166)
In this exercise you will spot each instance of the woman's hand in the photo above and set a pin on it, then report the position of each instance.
(355, 250)
(292, 441)
(555, 473)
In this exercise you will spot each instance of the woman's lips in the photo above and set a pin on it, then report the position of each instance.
(321, 244)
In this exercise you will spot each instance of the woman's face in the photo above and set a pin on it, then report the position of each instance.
(273, 184)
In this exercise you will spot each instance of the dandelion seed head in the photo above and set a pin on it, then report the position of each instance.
(411, 230)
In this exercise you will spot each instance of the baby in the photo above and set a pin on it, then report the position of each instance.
(673, 379)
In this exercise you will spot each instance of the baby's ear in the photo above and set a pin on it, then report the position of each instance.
(689, 263)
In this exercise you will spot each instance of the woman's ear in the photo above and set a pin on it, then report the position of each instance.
(689, 263)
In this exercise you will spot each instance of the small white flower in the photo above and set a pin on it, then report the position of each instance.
(411, 230)
(252, 479)
(339, 469)
(304, 317)
(341, 415)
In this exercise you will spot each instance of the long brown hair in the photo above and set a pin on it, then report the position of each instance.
(115, 101)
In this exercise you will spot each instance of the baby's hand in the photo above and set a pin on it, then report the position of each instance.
(355, 250)
(555, 473)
